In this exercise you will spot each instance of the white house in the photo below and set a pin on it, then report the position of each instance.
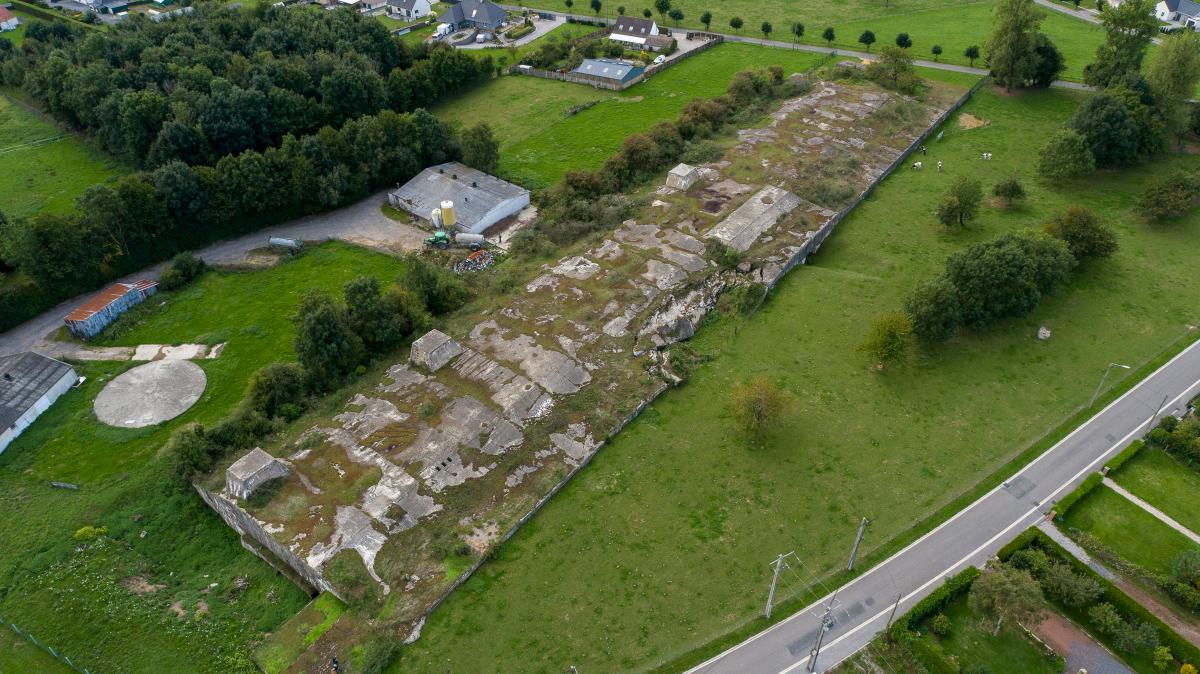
(29, 385)
(1179, 12)
(633, 30)
(408, 10)
(8, 20)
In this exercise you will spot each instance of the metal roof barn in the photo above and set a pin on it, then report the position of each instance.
(480, 200)
(609, 70)
(29, 384)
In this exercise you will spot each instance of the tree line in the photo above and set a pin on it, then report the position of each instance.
(221, 81)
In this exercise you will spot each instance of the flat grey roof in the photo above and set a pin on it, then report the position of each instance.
(473, 192)
(606, 68)
(254, 461)
(24, 379)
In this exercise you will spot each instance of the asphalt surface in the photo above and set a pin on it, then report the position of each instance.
(863, 606)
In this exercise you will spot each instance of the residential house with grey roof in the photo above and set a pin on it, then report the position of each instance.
(1179, 12)
(478, 14)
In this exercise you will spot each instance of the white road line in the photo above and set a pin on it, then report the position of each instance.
(956, 515)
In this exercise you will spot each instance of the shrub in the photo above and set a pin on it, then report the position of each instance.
(889, 340)
(940, 625)
(757, 406)
(191, 452)
(1066, 156)
(440, 289)
(1083, 232)
(1125, 455)
(935, 310)
(184, 269)
(744, 299)
(1163, 658)
(89, 533)
(520, 31)
(1171, 196)
(277, 390)
(936, 601)
(1072, 589)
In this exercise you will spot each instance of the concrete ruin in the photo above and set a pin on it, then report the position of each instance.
(483, 424)
(252, 471)
(683, 176)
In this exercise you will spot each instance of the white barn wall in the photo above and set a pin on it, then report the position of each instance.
(60, 387)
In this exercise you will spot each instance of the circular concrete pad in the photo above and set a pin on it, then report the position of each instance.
(150, 394)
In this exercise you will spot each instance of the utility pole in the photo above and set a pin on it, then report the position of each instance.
(826, 625)
(892, 616)
(779, 563)
(1159, 409)
(862, 528)
(1096, 393)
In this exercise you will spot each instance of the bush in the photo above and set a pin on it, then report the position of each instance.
(1066, 156)
(519, 31)
(440, 289)
(191, 453)
(1009, 191)
(89, 533)
(743, 300)
(1171, 196)
(889, 340)
(936, 601)
(940, 625)
(757, 406)
(1083, 232)
(1125, 455)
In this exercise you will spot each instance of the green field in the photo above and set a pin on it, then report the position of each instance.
(540, 141)
(1114, 519)
(1160, 480)
(971, 642)
(123, 486)
(39, 173)
(661, 545)
(19, 655)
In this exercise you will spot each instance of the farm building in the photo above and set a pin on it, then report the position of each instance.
(608, 70)
(8, 20)
(94, 315)
(29, 385)
(479, 14)
(408, 10)
(479, 200)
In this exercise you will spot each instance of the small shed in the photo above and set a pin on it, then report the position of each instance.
(29, 385)
(8, 20)
(252, 471)
(480, 200)
(90, 318)
(433, 350)
(683, 176)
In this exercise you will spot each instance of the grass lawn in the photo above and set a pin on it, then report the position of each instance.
(1129, 531)
(970, 643)
(661, 545)
(19, 655)
(1165, 483)
(38, 173)
(185, 546)
(540, 141)
(282, 648)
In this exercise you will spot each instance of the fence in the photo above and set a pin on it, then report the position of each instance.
(49, 649)
(813, 244)
(578, 79)
(713, 40)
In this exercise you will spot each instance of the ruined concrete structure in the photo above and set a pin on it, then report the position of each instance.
(251, 472)
(489, 418)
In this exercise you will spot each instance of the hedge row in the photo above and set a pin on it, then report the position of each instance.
(1067, 502)
(1125, 455)
(936, 601)
(1183, 650)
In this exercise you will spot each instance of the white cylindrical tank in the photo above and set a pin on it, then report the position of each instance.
(467, 239)
(435, 218)
(448, 220)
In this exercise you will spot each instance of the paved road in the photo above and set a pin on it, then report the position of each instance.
(361, 223)
(968, 538)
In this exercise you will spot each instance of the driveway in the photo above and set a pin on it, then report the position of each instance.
(362, 223)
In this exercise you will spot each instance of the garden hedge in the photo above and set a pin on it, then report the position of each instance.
(519, 31)
(1125, 455)
(936, 601)
(1067, 502)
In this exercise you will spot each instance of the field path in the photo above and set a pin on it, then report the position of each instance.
(362, 223)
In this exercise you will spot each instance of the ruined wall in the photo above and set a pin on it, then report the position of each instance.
(247, 526)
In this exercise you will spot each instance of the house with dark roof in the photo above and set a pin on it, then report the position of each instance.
(633, 30)
(478, 200)
(608, 70)
(408, 10)
(1179, 12)
(95, 314)
(8, 20)
(478, 14)
(29, 385)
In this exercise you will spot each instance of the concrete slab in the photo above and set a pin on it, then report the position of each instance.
(754, 218)
(433, 350)
(150, 394)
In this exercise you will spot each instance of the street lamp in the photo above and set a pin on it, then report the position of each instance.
(1101, 384)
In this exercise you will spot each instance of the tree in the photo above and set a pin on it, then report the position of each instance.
(325, 344)
(596, 5)
(894, 70)
(1007, 276)
(766, 29)
(1129, 28)
(369, 317)
(736, 23)
(797, 32)
(1170, 196)
(903, 41)
(934, 310)
(972, 53)
(1073, 589)
(1083, 232)
(647, 13)
(1009, 191)
(676, 15)
(961, 202)
(936, 50)
(277, 390)
(1004, 592)
(1110, 131)
(1010, 47)
(57, 252)
(828, 35)
(1066, 156)
(889, 340)
(569, 4)
(1050, 62)
(662, 6)
(439, 289)
(1172, 75)
(706, 19)
(620, 10)
(867, 39)
(480, 149)
(757, 406)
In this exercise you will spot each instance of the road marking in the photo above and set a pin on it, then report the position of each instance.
(962, 512)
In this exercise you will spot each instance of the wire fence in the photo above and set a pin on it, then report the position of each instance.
(45, 647)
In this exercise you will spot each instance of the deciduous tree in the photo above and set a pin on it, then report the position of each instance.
(889, 340)
(1066, 156)
(867, 39)
(1006, 593)
(1009, 191)
(828, 35)
(934, 309)
(757, 406)
(480, 149)
(736, 23)
(1010, 49)
(903, 41)
(1083, 232)
(971, 53)
(1172, 74)
(1129, 28)
(1170, 196)
(961, 202)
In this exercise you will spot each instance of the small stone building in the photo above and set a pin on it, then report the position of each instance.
(252, 471)
(433, 350)
(683, 176)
